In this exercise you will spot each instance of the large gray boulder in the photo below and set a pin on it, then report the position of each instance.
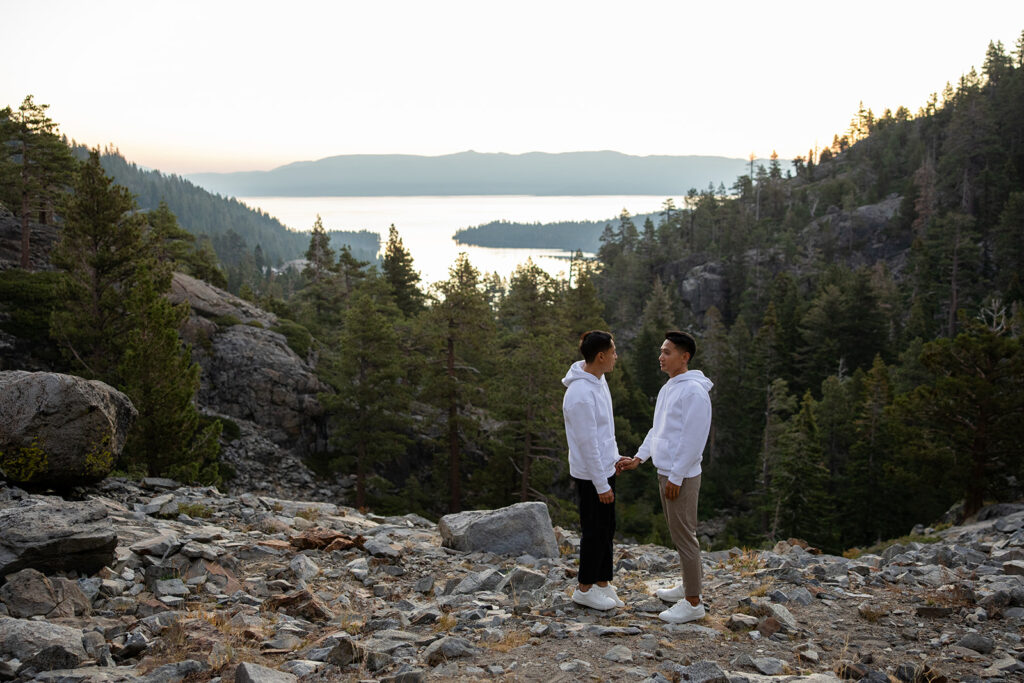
(523, 528)
(23, 638)
(50, 534)
(30, 593)
(60, 430)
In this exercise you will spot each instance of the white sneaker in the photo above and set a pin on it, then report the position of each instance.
(593, 598)
(609, 590)
(682, 612)
(674, 594)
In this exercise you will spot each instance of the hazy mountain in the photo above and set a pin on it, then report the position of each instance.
(473, 173)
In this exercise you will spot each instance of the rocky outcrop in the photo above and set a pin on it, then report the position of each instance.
(521, 529)
(50, 534)
(252, 374)
(248, 371)
(212, 302)
(60, 430)
(860, 237)
(258, 588)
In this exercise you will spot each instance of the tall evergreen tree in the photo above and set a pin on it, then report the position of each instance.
(35, 166)
(966, 421)
(319, 255)
(368, 411)
(526, 392)
(462, 328)
(117, 326)
(799, 484)
(398, 271)
(658, 316)
(158, 375)
(101, 246)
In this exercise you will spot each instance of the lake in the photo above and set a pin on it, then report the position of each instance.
(427, 224)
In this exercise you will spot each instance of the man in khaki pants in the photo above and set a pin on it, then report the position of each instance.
(682, 421)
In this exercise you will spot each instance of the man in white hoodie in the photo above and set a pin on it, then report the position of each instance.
(590, 431)
(682, 421)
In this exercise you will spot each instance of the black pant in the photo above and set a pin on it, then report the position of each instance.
(597, 527)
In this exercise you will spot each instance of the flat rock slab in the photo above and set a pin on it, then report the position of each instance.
(23, 638)
(50, 534)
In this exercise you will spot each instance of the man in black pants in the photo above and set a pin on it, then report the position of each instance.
(590, 431)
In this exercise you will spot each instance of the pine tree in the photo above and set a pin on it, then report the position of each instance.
(799, 484)
(965, 425)
(527, 395)
(461, 329)
(580, 306)
(100, 248)
(170, 242)
(158, 375)
(398, 271)
(117, 326)
(35, 166)
(368, 412)
(866, 487)
(1009, 251)
(779, 404)
(658, 317)
(319, 255)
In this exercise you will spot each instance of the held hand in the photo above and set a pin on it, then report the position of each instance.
(627, 464)
(671, 490)
(606, 497)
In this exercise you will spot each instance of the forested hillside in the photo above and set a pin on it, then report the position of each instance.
(234, 228)
(860, 314)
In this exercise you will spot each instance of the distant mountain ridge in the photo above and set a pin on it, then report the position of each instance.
(475, 173)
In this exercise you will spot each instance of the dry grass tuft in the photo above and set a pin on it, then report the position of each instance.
(746, 564)
(445, 623)
(762, 589)
(510, 641)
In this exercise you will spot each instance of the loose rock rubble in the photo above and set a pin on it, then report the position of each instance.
(203, 586)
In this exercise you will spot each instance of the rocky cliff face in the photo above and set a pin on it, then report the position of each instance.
(206, 587)
(250, 375)
(860, 237)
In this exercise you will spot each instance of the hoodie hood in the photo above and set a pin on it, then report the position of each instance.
(576, 373)
(695, 376)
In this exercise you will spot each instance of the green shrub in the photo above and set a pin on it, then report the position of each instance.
(230, 430)
(297, 336)
(195, 510)
(227, 321)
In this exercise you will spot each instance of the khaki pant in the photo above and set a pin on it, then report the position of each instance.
(681, 515)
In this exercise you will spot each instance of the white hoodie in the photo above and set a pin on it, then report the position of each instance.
(682, 420)
(589, 427)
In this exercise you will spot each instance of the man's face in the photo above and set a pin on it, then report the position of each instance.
(673, 360)
(606, 359)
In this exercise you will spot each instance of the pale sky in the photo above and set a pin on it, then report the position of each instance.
(225, 85)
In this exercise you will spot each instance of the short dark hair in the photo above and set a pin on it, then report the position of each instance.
(683, 341)
(593, 343)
